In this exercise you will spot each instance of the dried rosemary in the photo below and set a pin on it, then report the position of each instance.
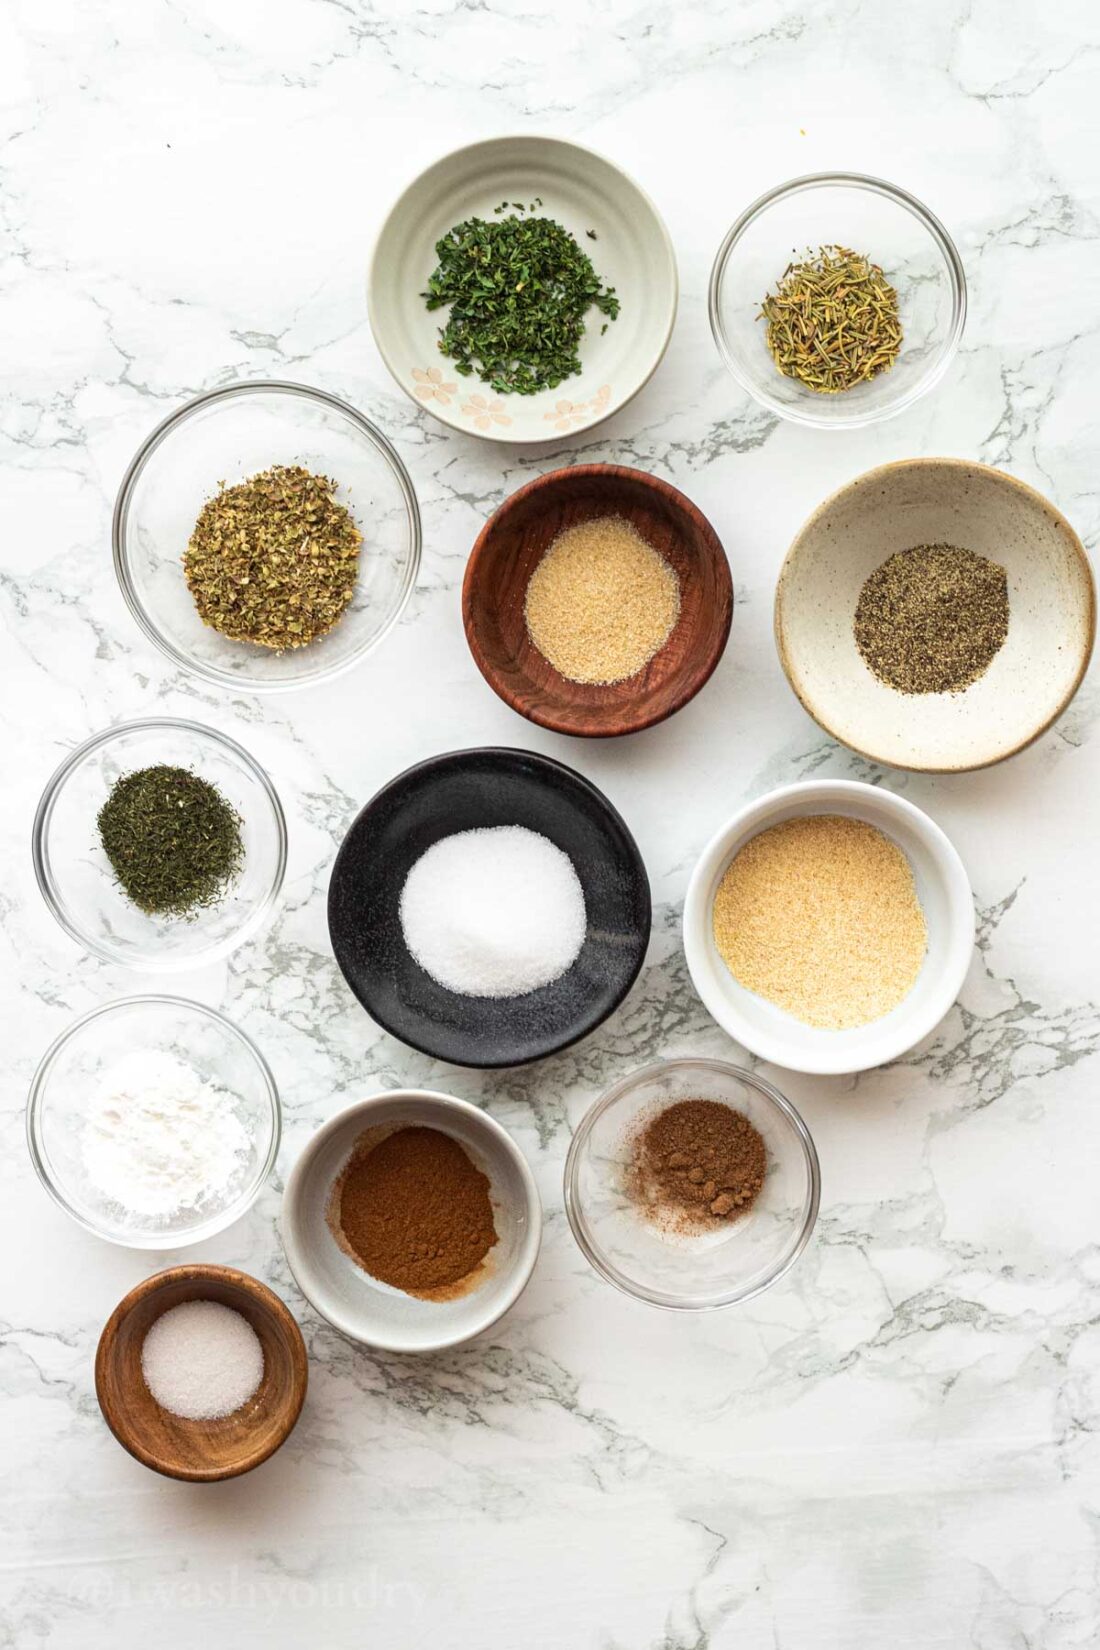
(519, 290)
(833, 321)
(931, 619)
(173, 841)
(274, 559)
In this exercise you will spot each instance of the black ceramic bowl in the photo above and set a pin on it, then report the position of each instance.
(464, 791)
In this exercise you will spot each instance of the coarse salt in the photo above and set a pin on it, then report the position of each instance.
(496, 912)
(201, 1360)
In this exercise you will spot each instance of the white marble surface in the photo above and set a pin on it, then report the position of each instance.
(899, 1445)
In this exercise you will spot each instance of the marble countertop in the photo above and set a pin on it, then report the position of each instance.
(898, 1445)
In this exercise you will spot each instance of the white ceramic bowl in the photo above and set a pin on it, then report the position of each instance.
(582, 190)
(373, 1312)
(1052, 613)
(65, 1084)
(227, 435)
(889, 226)
(75, 875)
(944, 892)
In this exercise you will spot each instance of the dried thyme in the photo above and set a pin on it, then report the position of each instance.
(833, 321)
(274, 559)
(519, 290)
(172, 839)
(931, 619)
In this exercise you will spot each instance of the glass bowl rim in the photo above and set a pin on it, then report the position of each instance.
(582, 1233)
(155, 439)
(892, 192)
(43, 872)
(156, 1240)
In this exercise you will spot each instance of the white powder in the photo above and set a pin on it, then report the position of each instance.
(160, 1139)
(493, 913)
(202, 1360)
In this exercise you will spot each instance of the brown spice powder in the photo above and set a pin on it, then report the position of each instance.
(414, 1211)
(697, 1163)
(820, 915)
(601, 602)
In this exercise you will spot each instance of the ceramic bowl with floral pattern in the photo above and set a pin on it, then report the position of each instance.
(612, 220)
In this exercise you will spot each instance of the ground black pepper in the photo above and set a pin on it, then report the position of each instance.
(932, 619)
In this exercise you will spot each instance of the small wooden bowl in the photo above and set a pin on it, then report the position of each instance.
(201, 1451)
(510, 547)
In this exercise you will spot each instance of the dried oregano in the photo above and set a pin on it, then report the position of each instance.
(519, 290)
(274, 559)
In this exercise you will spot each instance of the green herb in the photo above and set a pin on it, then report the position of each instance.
(273, 560)
(931, 619)
(519, 291)
(173, 841)
(833, 321)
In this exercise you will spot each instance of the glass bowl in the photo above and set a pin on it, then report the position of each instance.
(228, 435)
(893, 229)
(719, 1267)
(76, 878)
(64, 1087)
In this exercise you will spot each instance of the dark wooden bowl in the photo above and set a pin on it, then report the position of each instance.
(200, 1450)
(510, 547)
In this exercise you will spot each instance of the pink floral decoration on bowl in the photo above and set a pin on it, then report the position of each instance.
(484, 412)
(430, 385)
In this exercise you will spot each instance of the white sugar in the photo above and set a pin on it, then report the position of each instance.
(202, 1360)
(493, 913)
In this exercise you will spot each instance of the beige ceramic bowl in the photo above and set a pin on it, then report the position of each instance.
(1052, 614)
(583, 191)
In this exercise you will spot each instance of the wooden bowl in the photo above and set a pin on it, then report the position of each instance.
(510, 547)
(201, 1451)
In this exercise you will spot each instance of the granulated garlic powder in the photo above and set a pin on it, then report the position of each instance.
(821, 917)
(601, 603)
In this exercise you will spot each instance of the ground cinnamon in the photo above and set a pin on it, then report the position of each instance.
(697, 1163)
(414, 1211)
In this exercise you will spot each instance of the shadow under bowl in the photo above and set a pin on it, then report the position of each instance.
(200, 1451)
(509, 549)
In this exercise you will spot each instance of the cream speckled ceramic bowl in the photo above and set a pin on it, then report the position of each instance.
(583, 191)
(1052, 614)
